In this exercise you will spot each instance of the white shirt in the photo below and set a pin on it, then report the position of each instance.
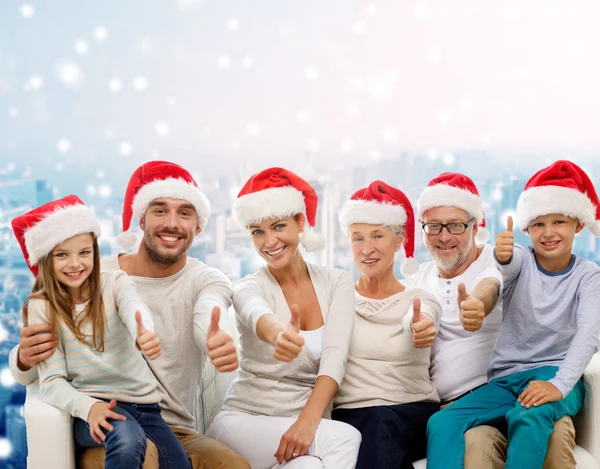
(459, 358)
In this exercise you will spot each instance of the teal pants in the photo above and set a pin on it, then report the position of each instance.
(529, 430)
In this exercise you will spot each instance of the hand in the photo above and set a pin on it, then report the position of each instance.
(296, 441)
(36, 344)
(423, 329)
(221, 349)
(505, 243)
(472, 309)
(289, 342)
(538, 393)
(97, 419)
(147, 341)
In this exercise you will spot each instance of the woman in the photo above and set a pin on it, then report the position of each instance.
(295, 321)
(387, 393)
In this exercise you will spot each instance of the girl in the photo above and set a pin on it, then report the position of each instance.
(96, 374)
(295, 321)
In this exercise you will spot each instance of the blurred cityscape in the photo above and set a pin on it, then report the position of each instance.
(226, 246)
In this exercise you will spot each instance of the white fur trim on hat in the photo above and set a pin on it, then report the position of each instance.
(277, 202)
(443, 195)
(409, 266)
(175, 189)
(312, 241)
(482, 236)
(544, 200)
(372, 213)
(57, 227)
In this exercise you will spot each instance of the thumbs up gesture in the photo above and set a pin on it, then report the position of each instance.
(221, 349)
(289, 342)
(146, 340)
(472, 309)
(505, 243)
(423, 328)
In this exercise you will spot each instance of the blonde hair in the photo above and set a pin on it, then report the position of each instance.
(61, 304)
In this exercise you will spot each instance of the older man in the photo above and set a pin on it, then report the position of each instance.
(185, 297)
(464, 277)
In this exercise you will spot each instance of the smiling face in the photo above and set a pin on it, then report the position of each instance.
(73, 262)
(450, 252)
(276, 240)
(374, 248)
(170, 226)
(552, 236)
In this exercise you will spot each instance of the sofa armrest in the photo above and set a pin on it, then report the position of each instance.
(49, 433)
(587, 421)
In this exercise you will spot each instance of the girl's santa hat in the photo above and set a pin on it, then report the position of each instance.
(40, 230)
(454, 190)
(154, 180)
(380, 204)
(563, 187)
(279, 193)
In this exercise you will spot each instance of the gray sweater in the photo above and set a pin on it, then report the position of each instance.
(266, 386)
(550, 318)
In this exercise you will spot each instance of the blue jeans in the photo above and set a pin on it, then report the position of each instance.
(125, 445)
(393, 436)
(529, 430)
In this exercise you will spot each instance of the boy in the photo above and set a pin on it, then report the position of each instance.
(550, 328)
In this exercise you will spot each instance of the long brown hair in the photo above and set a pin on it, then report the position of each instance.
(61, 303)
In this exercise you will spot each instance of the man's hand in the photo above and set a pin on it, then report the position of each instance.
(221, 349)
(98, 419)
(538, 393)
(472, 309)
(505, 243)
(289, 342)
(36, 344)
(423, 328)
(147, 341)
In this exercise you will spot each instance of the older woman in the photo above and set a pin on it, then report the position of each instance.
(295, 321)
(387, 393)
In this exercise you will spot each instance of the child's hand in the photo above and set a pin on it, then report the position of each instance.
(423, 328)
(219, 343)
(538, 393)
(99, 412)
(289, 342)
(505, 243)
(472, 309)
(147, 340)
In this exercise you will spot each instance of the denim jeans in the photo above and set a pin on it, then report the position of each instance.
(125, 445)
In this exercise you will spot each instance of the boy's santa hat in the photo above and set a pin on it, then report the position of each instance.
(454, 190)
(279, 193)
(40, 230)
(380, 204)
(563, 187)
(154, 180)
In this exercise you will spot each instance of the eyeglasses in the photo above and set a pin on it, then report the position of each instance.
(454, 228)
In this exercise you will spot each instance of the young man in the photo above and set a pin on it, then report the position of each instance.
(185, 297)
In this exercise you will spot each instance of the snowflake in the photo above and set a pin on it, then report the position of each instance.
(69, 73)
(125, 148)
(347, 145)
(115, 85)
(63, 145)
(140, 83)
(27, 10)
(224, 62)
(100, 33)
(311, 73)
(81, 47)
(161, 128)
(232, 24)
(253, 128)
(247, 62)
(303, 117)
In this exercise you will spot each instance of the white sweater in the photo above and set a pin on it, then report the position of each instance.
(266, 386)
(383, 366)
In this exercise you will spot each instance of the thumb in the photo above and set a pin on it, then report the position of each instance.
(509, 223)
(112, 404)
(462, 292)
(140, 326)
(295, 320)
(214, 321)
(416, 310)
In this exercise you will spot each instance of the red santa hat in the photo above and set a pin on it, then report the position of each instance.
(279, 193)
(154, 180)
(40, 230)
(454, 190)
(563, 187)
(380, 204)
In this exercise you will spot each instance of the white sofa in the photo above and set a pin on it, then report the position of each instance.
(50, 442)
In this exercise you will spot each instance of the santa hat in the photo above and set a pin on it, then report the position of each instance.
(380, 204)
(40, 230)
(154, 180)
(279, 193)
(454, 190)
(563, 187)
